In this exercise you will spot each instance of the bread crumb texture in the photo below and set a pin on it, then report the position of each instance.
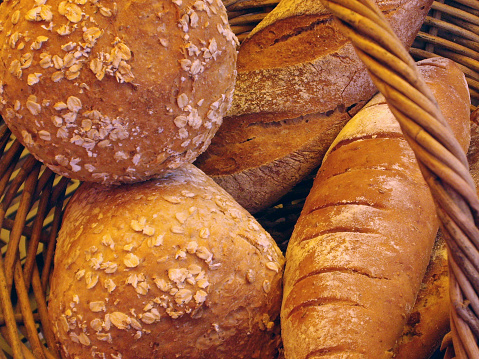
(169, 268)
(115, 92)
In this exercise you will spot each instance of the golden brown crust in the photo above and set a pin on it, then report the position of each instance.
(275, 76)
(298, 82)
(289, 149)
(361, 246)
(165, 269)
(111, 91)
(429, 319)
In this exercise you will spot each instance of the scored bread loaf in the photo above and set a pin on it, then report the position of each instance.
(299, 81)
(168, 268)
(360, 248)
(429, 319)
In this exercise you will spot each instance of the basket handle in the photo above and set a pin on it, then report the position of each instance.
(443, 163)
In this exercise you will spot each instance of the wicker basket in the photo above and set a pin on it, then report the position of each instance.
(33, 197)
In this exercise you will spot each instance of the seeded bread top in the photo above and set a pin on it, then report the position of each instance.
(115, 92)
(167, 267)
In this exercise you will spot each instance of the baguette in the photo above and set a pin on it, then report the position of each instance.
(360, 248)
(299, 81)
(429, 320)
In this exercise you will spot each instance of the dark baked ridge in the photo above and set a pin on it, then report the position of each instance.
(288, 149)
(290, 37)
(297, 61)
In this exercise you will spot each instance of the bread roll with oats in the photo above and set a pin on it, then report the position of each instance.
(114, 92)
(168, 268)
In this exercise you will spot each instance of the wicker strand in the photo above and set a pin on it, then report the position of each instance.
(16, 233)
(25, 352)
(463, 342)
(467, 61)
(456, 342)
(36, 232)
(471, 3)
(447, 44)
(59, 191)
(18, 181)
(9, 332)
(4, 181)
(4, 137)
(26, 231)
(235, 5)
(30, 269)
(39, 294)
(462, 23)
(433, 31)
(26, 310)
(247, 19)
(451, 10)
(453, 29)
(45, 178)
(10, 157)
(18, 318)
(472, 77)
(467, 289)
(441, 181)
(50, 247)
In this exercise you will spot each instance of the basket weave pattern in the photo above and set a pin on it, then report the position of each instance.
(33, 197)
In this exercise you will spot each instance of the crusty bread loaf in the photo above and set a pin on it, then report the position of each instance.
(299, 81)
(473, 154)
(429, 320)
(361, 246)
(168, 268)
(110, 91)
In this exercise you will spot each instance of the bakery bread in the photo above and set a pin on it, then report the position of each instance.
(360, 248)
(114, 92)
(299, 81)
(429, 320)
(168, 268)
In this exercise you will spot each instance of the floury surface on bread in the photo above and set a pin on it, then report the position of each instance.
(113, 92)
(429, 320)
(299, 81)
(168, 268)
(359, 251)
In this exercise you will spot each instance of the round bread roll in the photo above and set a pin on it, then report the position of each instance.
(115, 92)
(168, 268)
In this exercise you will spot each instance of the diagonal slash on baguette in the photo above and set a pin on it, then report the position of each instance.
(429, 319)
